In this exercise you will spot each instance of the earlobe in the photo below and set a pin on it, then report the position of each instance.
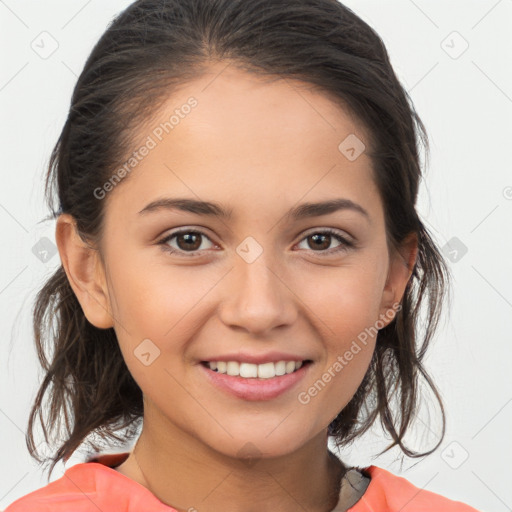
(85, 272)
(401, 267)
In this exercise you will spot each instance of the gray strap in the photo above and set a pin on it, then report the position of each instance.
(353, 486)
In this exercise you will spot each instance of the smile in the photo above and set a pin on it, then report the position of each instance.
(261, 371)
(248, 381)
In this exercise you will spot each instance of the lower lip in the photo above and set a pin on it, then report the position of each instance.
(254, 388)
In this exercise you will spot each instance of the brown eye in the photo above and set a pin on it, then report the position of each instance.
(320, 241)
(186, 241)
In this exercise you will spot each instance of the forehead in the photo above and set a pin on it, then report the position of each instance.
(253, 108)
(248, 136)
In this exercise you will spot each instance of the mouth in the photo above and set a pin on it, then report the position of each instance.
(268, 370)
(255, 382)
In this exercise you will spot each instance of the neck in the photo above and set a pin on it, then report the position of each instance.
(188, 476)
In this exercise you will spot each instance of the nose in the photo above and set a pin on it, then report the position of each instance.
(256, 298)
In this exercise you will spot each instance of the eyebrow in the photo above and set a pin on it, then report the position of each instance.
(214, 209)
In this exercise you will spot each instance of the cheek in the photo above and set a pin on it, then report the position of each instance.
(343, 301)
(344, 307)
(154, 299)
(346, 321)
(159, 308)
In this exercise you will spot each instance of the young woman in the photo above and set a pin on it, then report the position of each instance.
(242, 265)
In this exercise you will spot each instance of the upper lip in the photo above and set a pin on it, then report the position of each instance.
(268, 357)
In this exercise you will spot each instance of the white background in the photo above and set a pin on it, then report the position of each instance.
(466, 104)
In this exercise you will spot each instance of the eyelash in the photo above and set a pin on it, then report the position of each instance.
(345, 243)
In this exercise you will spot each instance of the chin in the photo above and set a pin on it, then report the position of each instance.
(251, 445)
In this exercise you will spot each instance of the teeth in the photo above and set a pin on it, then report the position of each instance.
(280, 367)
(262, 371)
(233, 368)
(290, 366)
(250, 370)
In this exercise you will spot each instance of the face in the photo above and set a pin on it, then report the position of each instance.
(272, 281)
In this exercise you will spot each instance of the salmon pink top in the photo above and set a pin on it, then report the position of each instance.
(95, 485)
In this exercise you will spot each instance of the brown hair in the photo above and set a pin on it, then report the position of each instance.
(147, 50)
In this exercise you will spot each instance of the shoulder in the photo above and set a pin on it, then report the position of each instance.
(88, 487)
(54, 496)
(387, 492)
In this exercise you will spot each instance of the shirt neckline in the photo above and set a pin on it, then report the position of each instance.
(107, 462)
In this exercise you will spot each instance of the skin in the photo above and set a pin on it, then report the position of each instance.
(258, 147)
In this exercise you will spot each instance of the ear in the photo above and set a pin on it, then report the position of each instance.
(401, 266)
(85, 272)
